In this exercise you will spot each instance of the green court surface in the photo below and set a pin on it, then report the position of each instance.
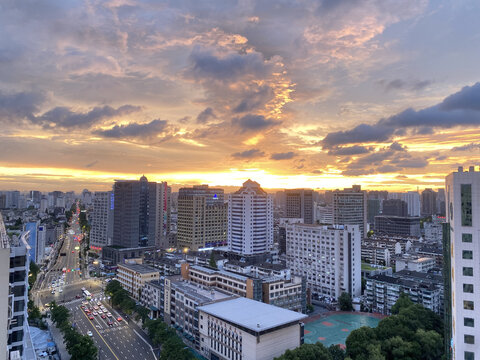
(334, 329)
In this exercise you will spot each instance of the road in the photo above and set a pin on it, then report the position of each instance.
(116, 342)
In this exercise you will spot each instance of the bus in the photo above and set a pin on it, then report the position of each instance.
(87, 295)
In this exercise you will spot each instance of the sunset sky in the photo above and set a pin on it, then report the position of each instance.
(318, 94)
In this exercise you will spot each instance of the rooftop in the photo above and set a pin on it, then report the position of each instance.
(142, 269)
(198, 293)
(251, 314)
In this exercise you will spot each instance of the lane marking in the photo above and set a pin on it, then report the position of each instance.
(94, 328)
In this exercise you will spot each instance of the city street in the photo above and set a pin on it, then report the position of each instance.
(116, 342)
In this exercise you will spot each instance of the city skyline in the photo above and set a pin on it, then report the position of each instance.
(375, 93)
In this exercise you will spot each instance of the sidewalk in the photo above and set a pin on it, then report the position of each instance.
(58, 339)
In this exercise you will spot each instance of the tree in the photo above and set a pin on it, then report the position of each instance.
(345, 302)
(112, 287)
(33, 311)
(60, 314)
(402, 302)
(315, 351)
(84, 349)
(142, 313)
(212, 263)
(336, 352)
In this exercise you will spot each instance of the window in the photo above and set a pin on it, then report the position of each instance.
(467, 238)
(468, 288)
(468, 322)
(468, 305)
(469, 355)
(467, 271)
(466, 198)
(467, 254)
(469, 339)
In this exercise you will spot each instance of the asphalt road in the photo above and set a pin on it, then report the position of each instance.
(117, 342)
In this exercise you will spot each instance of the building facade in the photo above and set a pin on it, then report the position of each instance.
(397, 225)
(350, 208)
(133, 277)
(329, 257)
(202, 217)
(101, 232)
(429, 202)
(463, 214)
(299, 204)
(250, 220)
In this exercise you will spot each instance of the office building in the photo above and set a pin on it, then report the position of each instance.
(463, 214)
(429, 202)
(350, 208)
(373, 209)
(101, 232)
(5, 299)
(250, 220)
(397, 225)
(395, 207)
(202, 217)
(412, 198)
(87, 197)
(141, 214)
(327, 256)
(323, 214)
(299, 204)
(246, 329)
(133, 277)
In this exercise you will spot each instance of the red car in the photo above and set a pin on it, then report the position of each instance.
(91, 317)
(104, 316)
(119, 319)
(73, 251)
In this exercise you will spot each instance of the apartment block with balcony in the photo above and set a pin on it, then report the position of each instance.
(133, 277)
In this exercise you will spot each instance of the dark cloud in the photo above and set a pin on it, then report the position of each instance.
(283, 156)
(92, 164)
(206, 115)
(255, 99)
(397, 147)
(62, 117)
(135, 130)
(398, 84)
(252, 122)
(420, 85)
(468, 147)
(248, 154)
(350, 150)
(19, 106)
(207, 65)
(459, 109)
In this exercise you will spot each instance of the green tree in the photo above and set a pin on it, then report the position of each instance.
(212, 263)
(112, 287)
(315, 351)
(358, 343)
(84, 349)
(60, 314)
(142, 313)
(345, 302)
(403, 302)
(33, 311)
(336, 352)
(431, 344)
(398, 348)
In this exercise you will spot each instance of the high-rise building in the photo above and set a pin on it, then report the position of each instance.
(441, 202)
(138, 218)
(87, 197)
(395, 207)
(463, 214)
(5, 300)
(101, 232)
(163, 213)
(350, 207)
(250, 220)
(329, 257)
(202, 217)
(413, 203)
(373, 209)
(300, 205)
(429, 202)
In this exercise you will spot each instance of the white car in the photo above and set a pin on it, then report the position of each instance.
(53, 291)
(60, 290)
(89, 333)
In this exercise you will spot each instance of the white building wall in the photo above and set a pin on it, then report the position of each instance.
(412, 198)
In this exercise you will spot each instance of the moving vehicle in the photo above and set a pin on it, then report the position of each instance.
(91, 317)
(89, 333)
(119, 319)
(87, 295)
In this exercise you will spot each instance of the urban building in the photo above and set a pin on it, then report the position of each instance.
(414, 263)
(395, 207)
(381, 250)
(463, 210)
(329, 257)
(153, 297)
(323, 214)
(101, 232)
(299, 204)
(250, 220)
(87, 197)
(133, 277)
(282, 232)
(350, 208)
(373, 209)
(397, 225)
(412, 198)
(245, 329)
(433, 232)
(288, 292)
(202, 217)
(6, 308)
(429, 202)
(382, 292)
(113, 255)
(141, 215)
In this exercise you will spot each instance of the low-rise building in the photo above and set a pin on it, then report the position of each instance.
(245, 329)
(382, 292)
(397, 225)
(414, 263)
(133, 277)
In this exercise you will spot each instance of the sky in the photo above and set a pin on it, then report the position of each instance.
(320, 94)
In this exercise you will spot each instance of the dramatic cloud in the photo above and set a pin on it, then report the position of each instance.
(255, 100)
(206, 115)
(252, 122)
(359, 134)
(283, 156)
(19, 106)
(134, 130)
(351, 150)
(248, 154)
(468, 147)
(399, 84)
(62, 117)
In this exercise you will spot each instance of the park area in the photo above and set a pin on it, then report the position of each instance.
(334, 327)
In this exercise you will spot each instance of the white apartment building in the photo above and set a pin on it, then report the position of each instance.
(101, 232)
(414, 263)
(250, 220)
(5, 299)
(328, 256)
(244, 329)
(350, 208)
(463, 214)
(133, 277)
(412, 198)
